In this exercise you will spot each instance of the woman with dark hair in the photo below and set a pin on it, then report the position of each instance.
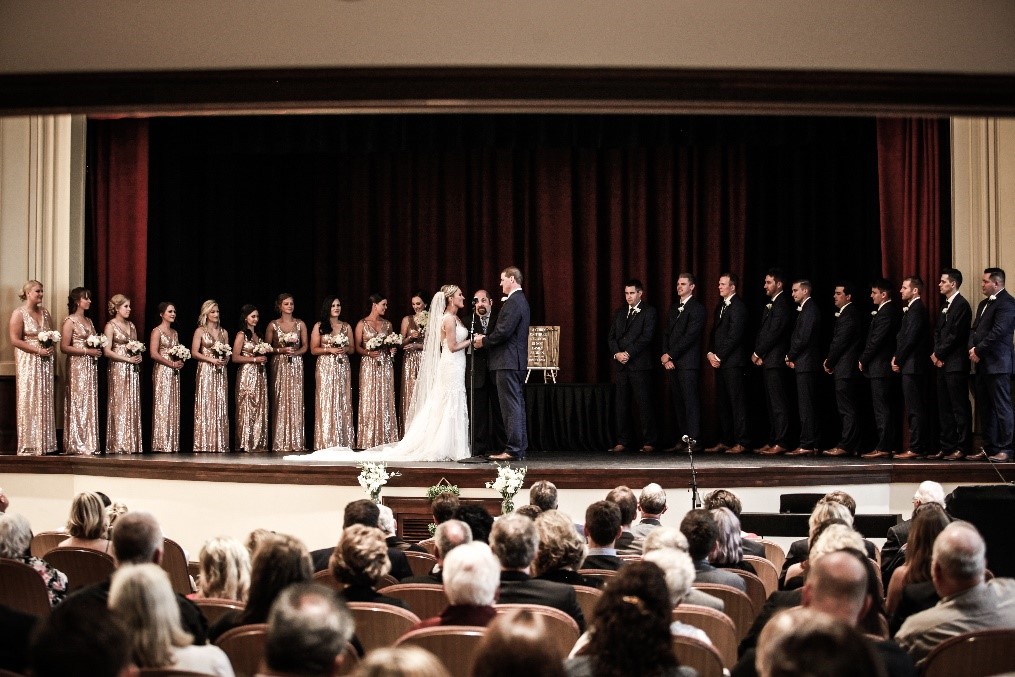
(332, 342)
(165, 382)
(631, 631)
(34, 373)
(929, 520)
(288, 336)
(210, 347)
(82, 345)
(378, 423)
(123, 379)
(251, 383)
(412, 351)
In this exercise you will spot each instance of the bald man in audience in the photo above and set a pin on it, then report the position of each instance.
(968, 603)
(308, 629)
(448, 536)
(651, 506)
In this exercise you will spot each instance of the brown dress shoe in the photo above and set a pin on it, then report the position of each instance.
(677, 448)
(956, 455)
(837, 451)
(717, 449)
(737, 449)
(877, 453)
(616, 449)
(767, 447)
(981, 455)
(935, 457)
(647, 449)
(801, 452)
(1000, 457)
(908, 455)
(503, 457)
(774, 450)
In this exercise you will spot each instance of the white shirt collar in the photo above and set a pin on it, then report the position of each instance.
(912, 301)
(952, 297)
(884, 304)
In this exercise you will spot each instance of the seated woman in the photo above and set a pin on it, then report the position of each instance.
(359, 561)
(88, 524)
(401, 661)
(561, 551)
(516, 643)
(906, 596)
(279, 561)
(729, 551)
(824, 512)
(224, 570)
(143, 599)
(16, 543)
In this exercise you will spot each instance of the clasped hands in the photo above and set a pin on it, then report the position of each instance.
(477, 340)
(622, 357)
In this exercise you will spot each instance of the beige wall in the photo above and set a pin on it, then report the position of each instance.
(902, 35)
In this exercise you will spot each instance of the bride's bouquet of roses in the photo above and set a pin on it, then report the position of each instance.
(289, 339)
(134, 348)
(180, 353)
(96, 341)
(221, 351)
(48, 339)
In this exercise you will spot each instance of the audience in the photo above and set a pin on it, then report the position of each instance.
(479, 520)
(442, 507)
(928, 521)
(88, 524)
(679, 571)
(16, 544)
(471, 579)
(449, 535)
(892, 553)
(702, 535)
(359, 561)
(602, 529)
(628, 504)
(561, 551)
(723, 498)
(255, 538)
(729, 551)
(368, 514)
(825, 509)
(809, 642)
(81, 638)
(386, 523)
(543, 495)
(308, 630)
(651, 506)
(515, 645)
(530, 511)
(671, 537)
(16, 630)
(224, 570)
(5, 502)
(143, 599)
(401, 661)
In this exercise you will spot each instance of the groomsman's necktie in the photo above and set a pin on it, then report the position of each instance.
(630, 312)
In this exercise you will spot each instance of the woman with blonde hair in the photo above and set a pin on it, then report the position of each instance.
(288, 336)
(561, 551)
(359, 561)
(88, 524)
(35, 371)
(142, 598)
(224, 570)
(210, 347)
(729, 550)
(81, 390)
(401, 661)
(123, 416)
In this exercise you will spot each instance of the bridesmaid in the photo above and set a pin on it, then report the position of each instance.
(34, 381)
(287, 376)
(412, 354)
(251, 385)
(165, 382)
(333, 423)
(211, 399)
(123, 417)
(81, 392)
(377, 422)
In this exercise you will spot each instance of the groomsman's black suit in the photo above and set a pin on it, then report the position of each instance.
(843, 355)
(771, 346)
(509, 358)
(485, 415)
(631, 332)
(684, 327)
(729, 344)
(991, 336)
(803, 353)
(912, 356)
(951, 346)
(877, 367)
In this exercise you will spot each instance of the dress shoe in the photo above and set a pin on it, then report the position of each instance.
(506, 456)
(1001, 457)
(908, 455)
(677, 448)
(774, 450)
(956, 455)
(877, 453)
(737, 449)
(617, 449)
(647, 449)
(767, 447)
(801, 452)
(717, 449)
(981, 455)
(935, 457)
(837, 451)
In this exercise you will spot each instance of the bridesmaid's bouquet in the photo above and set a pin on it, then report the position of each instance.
(97, 341)
(134, 348)
(372, 477)
(509, 481)
(180, 353)
(422, 319)
(289, 339)
(336, 340)
(48, 339)
(393, 341)
(374, 344)
(261, 348)
(221, 351)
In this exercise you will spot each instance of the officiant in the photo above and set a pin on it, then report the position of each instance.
(482, 394)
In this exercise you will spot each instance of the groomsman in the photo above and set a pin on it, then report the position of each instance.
(770, 354)
(843, 364)
(990, 349)
(485, 410)
(804, 360)
(912, 348)
(728, 355)
(682, 360)
(631, 332)
(951, 359)
(876, 364)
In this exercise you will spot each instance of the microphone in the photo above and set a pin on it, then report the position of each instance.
(689, 441)
(475, 300)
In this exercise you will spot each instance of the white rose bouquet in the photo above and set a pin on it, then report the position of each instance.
(134, 349)
(48, 339)
(96, 341)
(261, 348)
(422, 319)
(180, 353)
(374, 344)
(289, 339)
(373, 476)
(221, 351)
(509, 481)
(336, 340)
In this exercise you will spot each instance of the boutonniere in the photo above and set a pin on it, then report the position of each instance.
(873, 313)
(906, 309)
(838, 312)
(992, 297)
(680, 308)
(944, 311)
(800, 309)
(768, 306)
(636, 310)
(503, 299)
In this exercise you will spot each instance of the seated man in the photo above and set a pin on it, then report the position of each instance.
(471, 579)
(651, 506)
(665, 538)
(702, 534)
(626, 544)
(602, 529)
(81, 638)
(799, 639)
(967, 603)
(386, 523)
(892, 554)
(308, 629)
(365, 512)
(449, 535)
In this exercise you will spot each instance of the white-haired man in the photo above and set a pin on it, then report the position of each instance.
(448, 536)
(471, 580)
(671, 537)
(651, 506)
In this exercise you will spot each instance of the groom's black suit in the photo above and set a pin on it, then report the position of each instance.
(485, 409)
(509, 358)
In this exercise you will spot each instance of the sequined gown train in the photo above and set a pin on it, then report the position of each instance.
(123, 418)
(333, 413)
(211, 400)
(377, 421)
(166, 399)
(81, 394)
(251, 402)
(287, 397)
(34, 385)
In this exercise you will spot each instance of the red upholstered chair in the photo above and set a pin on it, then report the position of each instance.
(455, 645)
(244, 645)
(82, 566)
(22, 589)
(380, 625)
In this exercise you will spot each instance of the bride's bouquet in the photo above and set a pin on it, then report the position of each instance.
(509, 481)
(134, 348)
(96, 341)
(289, 339)
(48, 339)
(373, 476)
(422, 319)
(221, 351)
(180, 353)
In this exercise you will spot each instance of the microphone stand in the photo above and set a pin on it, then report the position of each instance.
(695, 498)
(472, 392)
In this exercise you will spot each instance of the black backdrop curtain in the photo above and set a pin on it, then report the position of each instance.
(242, 208)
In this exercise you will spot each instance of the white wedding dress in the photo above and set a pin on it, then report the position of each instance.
(439, 430)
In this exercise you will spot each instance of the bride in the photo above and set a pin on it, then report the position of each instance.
(437, 424)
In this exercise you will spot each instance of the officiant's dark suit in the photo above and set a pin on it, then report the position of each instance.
(876, 364)
(770, 350)
(848, 334)
(728, 344)
(991, 342)
(912, 358)
(951, 358)
(630, 341)
(484, 413)
(684, 327)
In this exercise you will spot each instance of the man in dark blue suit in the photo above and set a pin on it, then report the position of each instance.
(990, 349)
(876, 364)
(682, 361)
(484, 412)
(728, 356)
(805, 361)
(843, 364)
(912, 350)
(509, 357)
(770, 350)
(630, 340)
(951, 359)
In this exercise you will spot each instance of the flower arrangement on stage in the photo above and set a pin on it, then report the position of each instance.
(181, 353)
(442, 487)
(509, 481)
(96, 341)
(373, 477)
(134, 348)
(48, 339)
(422, 318)
(289, 339)
(221, 351)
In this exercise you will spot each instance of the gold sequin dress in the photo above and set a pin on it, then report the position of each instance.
(81, 394)
(166, 399)
(377, 421)
(287, 396)
(211, 400)
(251, 402)
(34, 385)
(333, 414)
(123, 415)
(410, 369)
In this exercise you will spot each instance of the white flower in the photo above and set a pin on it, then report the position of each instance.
(134, 347)
(375, 343)
(680, 308)
(393, 340)
(422, 319)
(97, 341)
(180, 352)
(838, 312)
(636, 310)
(800, 309)
(944, 311)
(336, 340)
(221, 350)
(906, 309)
(768, 306)
(509, 480)
(49, 338)
(873, 313)
(291, 339)
(261, 348)
(373, 476)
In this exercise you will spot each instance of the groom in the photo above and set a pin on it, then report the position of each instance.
(508, 344)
